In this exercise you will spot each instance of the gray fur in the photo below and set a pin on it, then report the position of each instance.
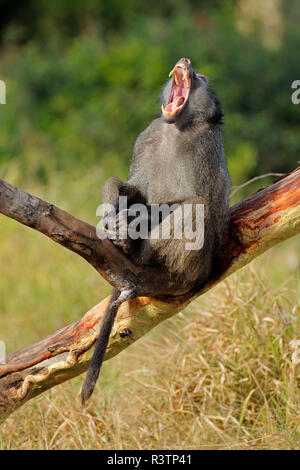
(180, 159)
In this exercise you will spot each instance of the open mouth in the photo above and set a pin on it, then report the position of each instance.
(179, 91)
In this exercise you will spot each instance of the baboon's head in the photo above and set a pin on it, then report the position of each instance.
(187, 96)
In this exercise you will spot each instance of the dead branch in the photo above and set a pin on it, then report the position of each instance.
(259, 222)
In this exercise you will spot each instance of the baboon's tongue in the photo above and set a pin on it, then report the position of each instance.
(177, 101)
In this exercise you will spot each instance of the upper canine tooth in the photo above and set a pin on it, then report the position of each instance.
(176, 78)
(162, 108)
(187, 79)
(172, 71)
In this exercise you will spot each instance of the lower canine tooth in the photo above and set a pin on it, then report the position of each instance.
(175, 110)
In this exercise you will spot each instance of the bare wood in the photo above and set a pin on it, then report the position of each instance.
(266, 218)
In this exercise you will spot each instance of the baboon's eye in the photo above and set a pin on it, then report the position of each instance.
(202, 77)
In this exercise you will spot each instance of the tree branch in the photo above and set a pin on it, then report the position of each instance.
(80, 237)
(259, 222)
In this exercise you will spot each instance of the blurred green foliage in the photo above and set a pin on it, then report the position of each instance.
(83, 80)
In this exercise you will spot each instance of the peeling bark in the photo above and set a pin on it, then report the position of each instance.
(259, 222)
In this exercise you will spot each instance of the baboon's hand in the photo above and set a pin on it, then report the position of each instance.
(116, 229)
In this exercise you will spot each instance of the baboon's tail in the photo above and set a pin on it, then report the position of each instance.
(92, 375)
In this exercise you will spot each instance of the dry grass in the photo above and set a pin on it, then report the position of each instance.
(219, 375)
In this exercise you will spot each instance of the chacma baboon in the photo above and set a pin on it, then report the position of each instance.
(179, 159)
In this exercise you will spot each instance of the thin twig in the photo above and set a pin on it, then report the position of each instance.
(235, 189)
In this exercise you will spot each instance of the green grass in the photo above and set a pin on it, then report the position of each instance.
(217, 376)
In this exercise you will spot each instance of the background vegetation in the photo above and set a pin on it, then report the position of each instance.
(83, 79)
